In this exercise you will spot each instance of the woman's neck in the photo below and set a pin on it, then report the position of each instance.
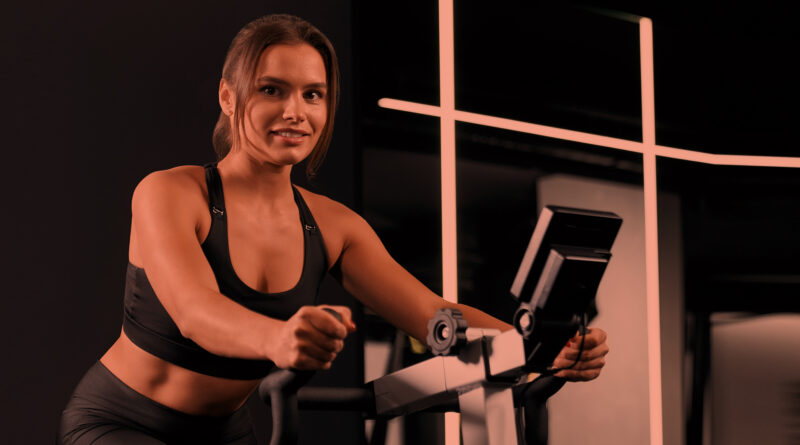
(262, 183)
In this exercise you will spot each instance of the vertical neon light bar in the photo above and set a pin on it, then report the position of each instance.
(651, 230)
(447, 105)
(448, 155)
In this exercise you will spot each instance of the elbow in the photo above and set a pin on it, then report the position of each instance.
(188, 310)
(185, 330)
(186, 321)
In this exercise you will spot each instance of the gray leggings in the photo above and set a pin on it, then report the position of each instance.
(104, 411)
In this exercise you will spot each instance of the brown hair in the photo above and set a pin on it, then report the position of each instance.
(239, 72)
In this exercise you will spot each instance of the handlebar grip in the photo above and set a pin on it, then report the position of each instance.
(334, 313)
(279, 389)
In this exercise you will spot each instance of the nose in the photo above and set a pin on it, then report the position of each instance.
(294, 108)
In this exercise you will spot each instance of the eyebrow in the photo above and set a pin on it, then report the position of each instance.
(283, 82)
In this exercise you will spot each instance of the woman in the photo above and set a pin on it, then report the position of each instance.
(225, 263)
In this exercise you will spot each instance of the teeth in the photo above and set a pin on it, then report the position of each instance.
(289, 134)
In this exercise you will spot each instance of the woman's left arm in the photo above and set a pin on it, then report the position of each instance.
(370, 274)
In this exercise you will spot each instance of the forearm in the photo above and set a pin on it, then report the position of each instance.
(479, 319)
(475, 318)
(224, 327)
(404, 301)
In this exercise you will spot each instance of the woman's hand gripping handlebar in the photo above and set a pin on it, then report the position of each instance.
(308, 341)
(312, 337)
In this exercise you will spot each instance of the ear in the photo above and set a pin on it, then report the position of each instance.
(227, 98)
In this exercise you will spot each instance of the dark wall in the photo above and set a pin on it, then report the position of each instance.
(97, 95)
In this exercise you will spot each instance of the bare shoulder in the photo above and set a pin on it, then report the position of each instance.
(175, 196)
(172, 201)
(328, 211)
(182, 184)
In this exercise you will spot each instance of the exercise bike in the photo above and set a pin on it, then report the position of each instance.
(482, 373)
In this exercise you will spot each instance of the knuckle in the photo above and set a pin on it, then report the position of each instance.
(297, 331)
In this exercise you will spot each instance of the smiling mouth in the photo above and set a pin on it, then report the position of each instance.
(289, 133)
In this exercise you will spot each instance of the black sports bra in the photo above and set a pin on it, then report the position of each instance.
(150, 327)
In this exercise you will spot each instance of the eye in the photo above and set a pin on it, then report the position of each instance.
(270, 90)
(314, 95)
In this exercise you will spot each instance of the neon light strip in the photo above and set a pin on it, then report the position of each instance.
(448, 158)
(447, 103)
(509, 124)
(592, 139)
(733, 160)
(651, 231)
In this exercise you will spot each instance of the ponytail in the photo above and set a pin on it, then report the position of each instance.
(221, 139)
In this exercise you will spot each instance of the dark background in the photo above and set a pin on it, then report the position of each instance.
(98, 94)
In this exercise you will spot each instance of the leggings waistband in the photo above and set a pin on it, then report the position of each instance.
(102, 401)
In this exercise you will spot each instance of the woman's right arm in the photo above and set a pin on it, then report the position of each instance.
(166, 209)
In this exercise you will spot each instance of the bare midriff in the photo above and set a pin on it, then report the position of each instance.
(170, 385)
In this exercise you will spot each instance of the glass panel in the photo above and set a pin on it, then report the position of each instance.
(402, 202)
(503, 180)
(726, 80)
(740, 231)
(497, 179)
(739, 234)
(397, 56)
(396, 52)
(564, 67)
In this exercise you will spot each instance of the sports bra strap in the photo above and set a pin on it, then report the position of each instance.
(216, 199)
(305, 214)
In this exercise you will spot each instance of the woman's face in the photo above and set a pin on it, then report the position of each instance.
(284, 118)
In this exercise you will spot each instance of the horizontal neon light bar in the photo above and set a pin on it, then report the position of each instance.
(593, 139)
